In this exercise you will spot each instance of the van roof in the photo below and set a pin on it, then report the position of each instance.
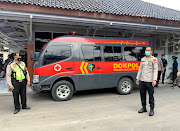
(101, 40)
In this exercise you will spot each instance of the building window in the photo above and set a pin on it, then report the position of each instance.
(91, 53)
(130, 53)
(55, 35)
(56, 53)
(41, 38)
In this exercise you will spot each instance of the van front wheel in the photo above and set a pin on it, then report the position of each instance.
(62, 91)
(125, 86)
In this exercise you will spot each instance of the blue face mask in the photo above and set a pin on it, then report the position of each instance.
(163, 57)
(147, 53)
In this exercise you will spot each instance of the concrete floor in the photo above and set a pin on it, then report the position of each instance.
(99, 110)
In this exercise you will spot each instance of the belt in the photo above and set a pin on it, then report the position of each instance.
(19, 80)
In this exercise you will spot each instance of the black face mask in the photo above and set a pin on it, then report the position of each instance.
(19, 59)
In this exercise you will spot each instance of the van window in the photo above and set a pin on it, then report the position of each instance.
(112, 53)
(97, 53)
(117, 54)
(130, 53)
(91, 53)
(140, 52)
(108, 53)
(56, 53)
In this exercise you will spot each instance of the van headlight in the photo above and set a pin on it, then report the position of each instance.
(35, 78)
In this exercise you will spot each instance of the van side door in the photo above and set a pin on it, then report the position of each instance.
(90, 67)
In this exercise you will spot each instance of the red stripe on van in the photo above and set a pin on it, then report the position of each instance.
(60, 68)
(101, 41)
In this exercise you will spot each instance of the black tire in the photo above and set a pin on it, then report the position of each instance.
(59, 88)
(125, 86)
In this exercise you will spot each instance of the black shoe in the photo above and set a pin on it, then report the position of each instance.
(142, 110)
(151, 113)
(162, 82)
(16, 111)
(26, 108)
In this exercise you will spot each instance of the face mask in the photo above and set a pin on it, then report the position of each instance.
(163, 57)
(19, 59)
(147, 53)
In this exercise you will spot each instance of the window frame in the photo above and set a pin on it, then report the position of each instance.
(136, 52)
(124, 53)
(42, 59)
(113, 52)
(93, 52)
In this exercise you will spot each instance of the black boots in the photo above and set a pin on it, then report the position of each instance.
(26, 107)
(142, 110)
(151, 113)
(16, 111)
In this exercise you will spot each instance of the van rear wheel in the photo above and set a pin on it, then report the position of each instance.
(62, 91)
(125, 86)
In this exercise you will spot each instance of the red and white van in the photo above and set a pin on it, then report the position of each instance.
(71, 63)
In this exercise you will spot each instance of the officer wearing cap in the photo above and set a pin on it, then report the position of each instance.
(147, 75)
(17, 77)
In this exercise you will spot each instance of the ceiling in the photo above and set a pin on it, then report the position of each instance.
(14, 33)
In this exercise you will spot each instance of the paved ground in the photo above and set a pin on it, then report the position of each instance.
(101, 110)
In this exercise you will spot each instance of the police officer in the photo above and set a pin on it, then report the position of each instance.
(17, 78)
(160, 68)
(175, 68)
(164, 65)
(147, 74)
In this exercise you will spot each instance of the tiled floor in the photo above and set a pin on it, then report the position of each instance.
(4, 88)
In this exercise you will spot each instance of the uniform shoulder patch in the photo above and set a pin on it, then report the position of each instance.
(155, 60)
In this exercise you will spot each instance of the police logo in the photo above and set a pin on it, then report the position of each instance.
(91, 67)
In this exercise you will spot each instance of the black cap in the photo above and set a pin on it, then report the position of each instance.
(16, 54)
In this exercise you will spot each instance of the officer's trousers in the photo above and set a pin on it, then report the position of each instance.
(147, 86)
(19, 90)
(174, 76)
(159, 76)
(163, 75)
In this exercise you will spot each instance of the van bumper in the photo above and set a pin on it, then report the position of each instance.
(35, 87)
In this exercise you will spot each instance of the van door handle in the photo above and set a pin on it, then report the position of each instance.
(69, 68)
(98, 68)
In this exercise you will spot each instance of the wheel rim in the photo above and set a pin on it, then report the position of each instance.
(63, 91)
(126, 86)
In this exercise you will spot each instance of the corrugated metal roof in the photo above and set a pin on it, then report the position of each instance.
(117, 7)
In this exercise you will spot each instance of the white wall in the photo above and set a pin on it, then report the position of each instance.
(5, 55)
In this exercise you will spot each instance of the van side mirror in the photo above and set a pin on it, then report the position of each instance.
(31, 55)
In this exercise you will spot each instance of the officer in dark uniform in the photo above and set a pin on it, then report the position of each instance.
(175, 68)
(17, 77)
(164, 66)
(147, 75)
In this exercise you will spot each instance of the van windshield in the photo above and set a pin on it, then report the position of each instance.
(41, 52)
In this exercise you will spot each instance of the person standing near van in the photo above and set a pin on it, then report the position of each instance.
(1, 63)
(160, 68)
(164, 65)
(175, 68)
(17, 77)
(147, 75)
